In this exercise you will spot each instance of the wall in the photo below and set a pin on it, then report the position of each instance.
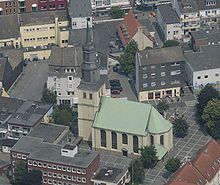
(80, 22)
(174, 31)
(57, 4)
(41, 54)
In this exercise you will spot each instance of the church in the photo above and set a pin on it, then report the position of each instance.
(116, 124)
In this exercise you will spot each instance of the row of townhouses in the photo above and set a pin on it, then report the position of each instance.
(178, 19)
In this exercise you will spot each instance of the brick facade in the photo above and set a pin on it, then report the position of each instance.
(52, 4)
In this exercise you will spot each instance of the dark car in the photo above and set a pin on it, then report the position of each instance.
(115, 91)
(114, 81)
(116, 88)
(115, 68)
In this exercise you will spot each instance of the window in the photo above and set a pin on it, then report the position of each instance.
(152, 75)
(151, 140)
(39, 164)
(19, 156)
(153, 84)
(162, 140)
(70, 78)
(144, 85)
(69, 177)
(144, 75)
(135, 144)
(83, 171)
(14, 154)
(198, 77)
(178, 72)
(34, 163)
(54, 175)
(54, 167)
(68, 169)
(163, 74)
(90, 96)
(175, 82)
(74, 170)
(59, 176)
(152, 67)
(124, 139)
(63, 168)
(162, 65)
(52, 28)
(206, 76)
(63, 176)
(84, 95)
(45, 181)
(79, 171)
(29, 162)
(163, 83)
(144, 68)
(59, 167)
(49, 166)
(103, 138)
(44, 173)
(49, 174)
(73, 178)
(84, 180)
(78, 179)
(114, 140)
(49, 181)
(216, 75)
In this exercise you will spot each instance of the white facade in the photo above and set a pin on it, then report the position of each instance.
(81, 22)
(108, 3)
(65, 87)
(215, 180)
(211, 16)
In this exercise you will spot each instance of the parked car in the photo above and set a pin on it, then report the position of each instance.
(116, 88)
(115, 68)
(115, 92)
(116, 97)
(114, 81)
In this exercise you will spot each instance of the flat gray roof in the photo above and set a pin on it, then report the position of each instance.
(188, 6)
(9, 27)
(207, 58)
(168, 14)
(211, 35)
(70, 57)
(48, 132)
(27, 144)
(117, 174)
(42, 17)
(161, 55)
(80, 8)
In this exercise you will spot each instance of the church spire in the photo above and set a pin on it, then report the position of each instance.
(88, 34)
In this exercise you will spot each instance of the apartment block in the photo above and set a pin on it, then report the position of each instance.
(159, 73)
(60, 164)
(52, 4)
(64, 74)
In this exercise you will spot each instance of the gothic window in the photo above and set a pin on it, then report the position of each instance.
(162, 140)
(152, 140)
(135, 144)
(124, 139)
(103, 138)
(114, 140)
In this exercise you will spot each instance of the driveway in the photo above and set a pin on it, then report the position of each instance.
(32, 82)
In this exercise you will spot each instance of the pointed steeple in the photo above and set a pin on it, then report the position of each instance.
(90, 71)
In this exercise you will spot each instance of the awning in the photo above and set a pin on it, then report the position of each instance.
(161, 151)
(34, 5)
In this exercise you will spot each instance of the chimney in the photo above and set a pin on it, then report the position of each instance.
(69, 150)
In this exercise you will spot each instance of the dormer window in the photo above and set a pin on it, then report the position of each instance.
(210, 2)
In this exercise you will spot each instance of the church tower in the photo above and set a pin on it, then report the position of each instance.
(90, 90)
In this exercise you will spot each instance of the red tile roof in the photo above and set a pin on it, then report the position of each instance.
(187, 175)
(131, 29)
(204, 167)
(207, 161)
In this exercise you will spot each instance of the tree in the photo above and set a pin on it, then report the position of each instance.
(116, 12)
(20, 171)
(172, 164)
(211, 118)
(170, 43)
(33, 178)
(63, 115)
(205, 95)
(136, 170)
(127, 60)
(162, 107)
(23, 177)
(49, 96)
(148, 156)
(180, 127)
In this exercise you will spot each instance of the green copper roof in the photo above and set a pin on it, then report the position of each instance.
(129, 117)
(157, 124)
(161, 151)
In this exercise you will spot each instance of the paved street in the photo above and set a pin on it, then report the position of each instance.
(31, 83)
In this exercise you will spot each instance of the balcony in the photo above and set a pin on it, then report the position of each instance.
(189, 19)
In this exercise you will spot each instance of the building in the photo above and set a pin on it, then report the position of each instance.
(26, 117)
(151, 5)
(9, 32)
(3, 168)
(8, 7)
(59, 134)
(203, 67)
(43, 29)
(11, 67)
(160, 73)
(51, 5)
(100, 8)
(188, 12)
(200, 38)
(7, 144)
(115, 176)
(209, 11)
(204, 169)
(169, 22)
(65, 74)
(80, 13)
(125, 126)
(60, 164)
(92, 87)
(131, 29)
